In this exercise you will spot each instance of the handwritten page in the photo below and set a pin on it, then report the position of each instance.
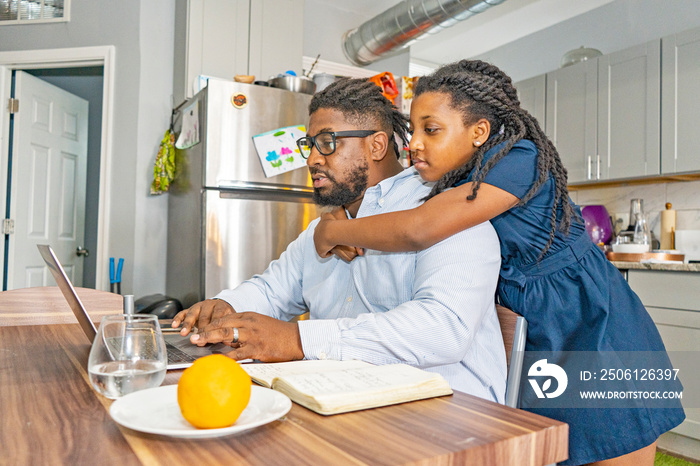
(264, 374)
(390, 377)
(332, 387)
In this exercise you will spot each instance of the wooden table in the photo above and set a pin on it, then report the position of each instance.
(51, 415)
(46, 305)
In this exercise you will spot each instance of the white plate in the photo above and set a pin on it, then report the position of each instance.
(155, 411)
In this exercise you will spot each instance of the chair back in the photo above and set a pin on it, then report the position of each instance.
(514, 332)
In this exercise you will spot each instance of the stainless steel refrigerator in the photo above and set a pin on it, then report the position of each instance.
(226, 220)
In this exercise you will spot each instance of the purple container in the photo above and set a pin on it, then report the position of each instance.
(598, 224)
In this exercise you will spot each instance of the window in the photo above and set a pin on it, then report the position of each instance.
(33, 11)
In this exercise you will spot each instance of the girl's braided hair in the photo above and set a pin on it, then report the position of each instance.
(480, 90)
(360, 100)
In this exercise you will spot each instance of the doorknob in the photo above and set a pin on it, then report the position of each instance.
(80, 251)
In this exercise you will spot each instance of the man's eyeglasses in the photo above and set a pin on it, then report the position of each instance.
(325, 141)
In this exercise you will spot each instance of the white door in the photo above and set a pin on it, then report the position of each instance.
(47, 197)
(5, 88)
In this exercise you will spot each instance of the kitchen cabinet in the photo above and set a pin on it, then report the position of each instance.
(531, 93)
(680, 102)
(629, 106)
(276, 37)
(603, 114)
(223, 38)
(571, 115)
(677, 317)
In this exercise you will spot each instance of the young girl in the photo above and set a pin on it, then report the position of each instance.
(470, 134)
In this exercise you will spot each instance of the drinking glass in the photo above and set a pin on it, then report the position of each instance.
(128, 354)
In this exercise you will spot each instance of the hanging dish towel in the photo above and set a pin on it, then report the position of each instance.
(164, 169)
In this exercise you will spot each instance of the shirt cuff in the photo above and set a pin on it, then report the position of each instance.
(244, 299)
(320, 339)
(230, 297)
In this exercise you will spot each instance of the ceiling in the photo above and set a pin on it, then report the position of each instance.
(497, 26)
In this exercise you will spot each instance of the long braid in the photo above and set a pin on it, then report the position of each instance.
(360, 100)
(481, 90)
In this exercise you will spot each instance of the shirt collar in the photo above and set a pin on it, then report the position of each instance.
(386, 184)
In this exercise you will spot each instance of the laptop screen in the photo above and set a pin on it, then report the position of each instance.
(68, 291)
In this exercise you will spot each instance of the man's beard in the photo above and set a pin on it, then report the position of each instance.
(342, 193)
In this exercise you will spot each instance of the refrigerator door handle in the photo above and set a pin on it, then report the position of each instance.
(252, 185)
(281, 195)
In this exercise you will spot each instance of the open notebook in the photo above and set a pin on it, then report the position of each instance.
(181, 352)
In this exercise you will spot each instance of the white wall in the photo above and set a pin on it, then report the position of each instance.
(141, 32)
(157, 20)
(324, 26)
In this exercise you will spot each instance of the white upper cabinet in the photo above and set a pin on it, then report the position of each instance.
(223, 38)
(570, 121)
(680, 114)
(629, 107)
(603, 115)
(531, 93)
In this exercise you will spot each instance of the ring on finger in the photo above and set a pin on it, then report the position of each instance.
(235, 335)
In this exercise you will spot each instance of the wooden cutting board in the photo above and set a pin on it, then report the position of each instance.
(629, 257)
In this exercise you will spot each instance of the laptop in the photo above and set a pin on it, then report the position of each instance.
(181, 352)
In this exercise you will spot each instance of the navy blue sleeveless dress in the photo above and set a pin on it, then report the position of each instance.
(574, 299)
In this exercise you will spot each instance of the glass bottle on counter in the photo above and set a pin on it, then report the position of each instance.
(636, 207)
(641, 231)
(638, 229)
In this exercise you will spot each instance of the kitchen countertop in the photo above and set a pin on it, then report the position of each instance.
(671, 267)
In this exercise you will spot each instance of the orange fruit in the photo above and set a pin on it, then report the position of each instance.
(213, 392)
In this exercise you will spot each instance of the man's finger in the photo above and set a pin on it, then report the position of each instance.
(205, 312)
(178, 318)
(188, 318)
(216, 335)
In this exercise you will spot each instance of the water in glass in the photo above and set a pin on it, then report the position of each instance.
(128, 354)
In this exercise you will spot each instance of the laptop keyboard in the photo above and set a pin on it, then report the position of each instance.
(176, 355)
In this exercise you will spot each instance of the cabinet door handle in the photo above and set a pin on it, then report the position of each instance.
(589, 167)
(597, 167)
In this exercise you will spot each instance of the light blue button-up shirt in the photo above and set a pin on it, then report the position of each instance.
(432, 309)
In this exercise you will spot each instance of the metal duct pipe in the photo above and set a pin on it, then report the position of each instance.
(404, 23)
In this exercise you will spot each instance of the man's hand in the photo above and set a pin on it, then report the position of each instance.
(325, 247)
(259, 337)
(202, 314)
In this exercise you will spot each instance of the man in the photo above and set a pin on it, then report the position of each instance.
(433, 309)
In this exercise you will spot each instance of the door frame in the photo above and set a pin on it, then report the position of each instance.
(67, 58)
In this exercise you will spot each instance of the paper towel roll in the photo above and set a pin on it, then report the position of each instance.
(668, 226)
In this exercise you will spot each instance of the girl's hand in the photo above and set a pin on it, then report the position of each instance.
(347, 253)
(325, 246)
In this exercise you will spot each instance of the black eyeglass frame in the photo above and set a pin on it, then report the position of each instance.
(360, 133)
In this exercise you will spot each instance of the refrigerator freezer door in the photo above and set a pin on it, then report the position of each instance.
(231, 157)
(246, 230)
